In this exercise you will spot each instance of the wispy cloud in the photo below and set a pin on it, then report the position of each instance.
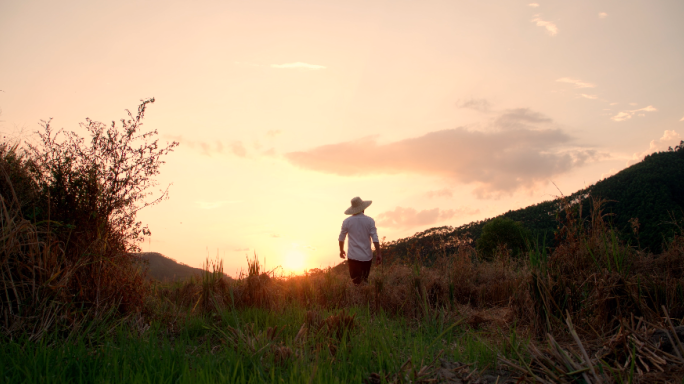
(626, 115)
(551, 28)
(602, 15)
(273, 132)
(215, 204)
(210, 148)
(591, 97)
(682, 119)
(517, 151)
(482, 105)
(409, 217)
(440, 193)
(611, 172)
(533, 5)
(519, 118)
(577, 83)
(238, 149)
(298, 65)
(670, 139)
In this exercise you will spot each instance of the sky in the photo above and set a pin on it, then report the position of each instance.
(440, 112)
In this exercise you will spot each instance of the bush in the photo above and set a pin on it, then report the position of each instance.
(502, 231)
(82, 199)
(17, 184)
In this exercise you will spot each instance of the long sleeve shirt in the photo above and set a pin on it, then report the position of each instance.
(361, 230)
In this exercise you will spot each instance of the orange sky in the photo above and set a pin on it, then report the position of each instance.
(441, 112)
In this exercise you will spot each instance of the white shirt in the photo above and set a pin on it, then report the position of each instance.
(361, 230)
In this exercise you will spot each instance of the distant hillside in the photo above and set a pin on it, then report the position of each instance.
(163, 268)
(651, 191)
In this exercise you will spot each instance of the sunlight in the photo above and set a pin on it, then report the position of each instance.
(294, 262)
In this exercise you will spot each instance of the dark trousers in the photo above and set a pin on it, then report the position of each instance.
(359, 270)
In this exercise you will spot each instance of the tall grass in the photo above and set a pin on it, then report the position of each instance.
(50, 283)
(597, 278)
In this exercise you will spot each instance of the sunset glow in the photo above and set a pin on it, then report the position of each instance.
(441, 112)
(294, 262)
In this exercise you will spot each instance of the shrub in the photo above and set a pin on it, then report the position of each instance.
(502, 231)
(82, 198)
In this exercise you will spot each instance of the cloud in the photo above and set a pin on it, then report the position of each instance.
(215, 204)
(626, 115)
(575, 82)
(533, 5)
(273, 132)
(551, 28)
(240, 249)
(208, 148)
(669, 139)
(602, 15)
(275, 235)
(609, 173)
(481, 105)
(520, 118)
(591, 97)
(440, 193)
(298, 65)
(409, 217)
(682, 119)
(517, 151)
(238, 149)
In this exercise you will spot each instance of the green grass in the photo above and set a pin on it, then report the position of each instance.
(199, 352)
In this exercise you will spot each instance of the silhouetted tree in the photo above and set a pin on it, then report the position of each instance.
(502, 231)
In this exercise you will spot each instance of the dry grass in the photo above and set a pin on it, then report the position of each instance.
(591, 275)
(580, 293)
(597, 279)
(46, 289)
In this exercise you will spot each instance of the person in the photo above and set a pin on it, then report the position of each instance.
(361, 230)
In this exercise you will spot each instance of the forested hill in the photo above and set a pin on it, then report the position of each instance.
(651, 191)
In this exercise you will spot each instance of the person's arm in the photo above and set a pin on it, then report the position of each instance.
(378, 252)
(376, 241)
(341, 238)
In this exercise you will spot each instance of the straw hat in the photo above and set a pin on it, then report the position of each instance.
(357, 205)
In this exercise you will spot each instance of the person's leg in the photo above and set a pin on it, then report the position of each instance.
(354, 271)
(365, 270)
(359, 270)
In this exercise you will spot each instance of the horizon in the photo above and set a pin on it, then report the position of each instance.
(441, 113)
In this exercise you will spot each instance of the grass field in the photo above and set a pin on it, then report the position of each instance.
(588, 310)
(256, 346)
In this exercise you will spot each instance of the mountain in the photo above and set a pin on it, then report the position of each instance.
(651, 191)
(163, 268)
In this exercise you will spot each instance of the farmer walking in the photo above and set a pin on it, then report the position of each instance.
(361, 230)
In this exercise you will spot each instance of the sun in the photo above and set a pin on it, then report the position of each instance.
(294, 261)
